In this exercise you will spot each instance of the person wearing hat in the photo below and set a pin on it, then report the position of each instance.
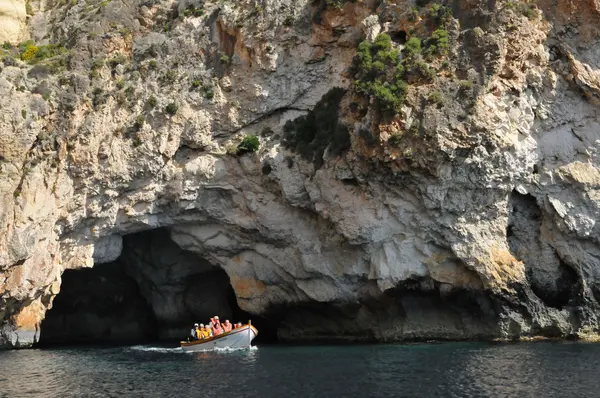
(218, 329)
(201, 332)
(193, 332)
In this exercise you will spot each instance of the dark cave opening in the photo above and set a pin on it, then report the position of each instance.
(98, 305)
(551, 279)
(398, 36)
(154, 291)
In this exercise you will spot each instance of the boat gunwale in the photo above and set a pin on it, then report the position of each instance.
(213, 338)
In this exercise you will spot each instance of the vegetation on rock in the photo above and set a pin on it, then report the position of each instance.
(171, 108)
(522, 7)
(249, 144)
(380, 73)
(310, 135)
(383, 73)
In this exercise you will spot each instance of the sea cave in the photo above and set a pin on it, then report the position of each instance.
(154, 291)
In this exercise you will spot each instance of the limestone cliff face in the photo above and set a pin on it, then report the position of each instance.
(471, 212)
(13, 15)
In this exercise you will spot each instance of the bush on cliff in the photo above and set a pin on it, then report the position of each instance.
(32, 53)
(379, 72)
(310, 135)
(249, 144)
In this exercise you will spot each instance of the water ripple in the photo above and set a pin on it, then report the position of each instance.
(428, 370)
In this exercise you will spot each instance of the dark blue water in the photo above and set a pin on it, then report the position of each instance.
(427, 370)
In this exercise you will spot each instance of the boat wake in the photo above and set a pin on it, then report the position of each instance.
(229, 349)
(165, 350)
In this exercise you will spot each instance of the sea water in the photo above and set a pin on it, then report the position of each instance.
(418, 370)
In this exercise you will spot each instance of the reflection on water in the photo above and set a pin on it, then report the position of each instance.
(434, 370)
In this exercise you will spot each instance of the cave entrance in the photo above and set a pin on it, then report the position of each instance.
(153, 291)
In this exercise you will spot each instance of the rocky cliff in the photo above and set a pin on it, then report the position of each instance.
(389, 170)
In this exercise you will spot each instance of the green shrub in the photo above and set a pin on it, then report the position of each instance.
(152, 65)
(151, 103)
(139, 123)
(383, 42)
(196, 83)
(413, 47)
(30, 53)
(466, 85)
(170, 76)
(395, 140)
(117, 60)
(250, 143)
(311, 134)
(439, 42)
(441, 15)
(426, 71)
(389, 98)
(530, 13)
(379, 73)
(436, 97)
(225, 60)
(172, 108)
(364, 56)
(413, 14)
(24, 113)
(97, 64)
(289, 20)
(528, 10)
(129, 92)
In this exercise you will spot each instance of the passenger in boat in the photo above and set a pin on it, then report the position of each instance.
(201, 332)
(209, 330)
(198, 331)
(239, 324)
(205, 332)
(216, 324)
(193, 331)
(227, 326)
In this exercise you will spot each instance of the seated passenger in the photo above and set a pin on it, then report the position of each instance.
(198, 332)
(227, 326)
(216, 325)
(206, 332)
(239, 324)
(193, 331)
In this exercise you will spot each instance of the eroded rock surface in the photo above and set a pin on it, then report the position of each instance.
(470, 213)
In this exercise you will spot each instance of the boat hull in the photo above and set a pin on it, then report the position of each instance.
(236, 339)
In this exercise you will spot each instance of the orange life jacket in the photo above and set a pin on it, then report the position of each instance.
(227, 328)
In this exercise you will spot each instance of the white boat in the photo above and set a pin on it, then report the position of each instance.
(238, 338)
